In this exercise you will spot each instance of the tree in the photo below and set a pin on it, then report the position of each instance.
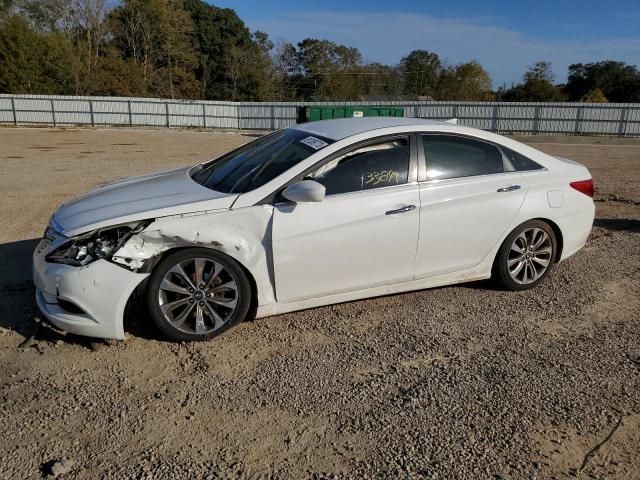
(594, 96)
(238, 62)
(154, 34)
(251, 71)
(33, 62)
(537, 86)
(81, 23)
(539, 72)
(191, 49)
(5, 8)
(420, 70)
(465, 82)
(381, 80)
(330, 71)
(618, 81)
(216, 31)
(287, 71)
(87, 29)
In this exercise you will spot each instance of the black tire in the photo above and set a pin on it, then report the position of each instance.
(184, 257)
(501, 272)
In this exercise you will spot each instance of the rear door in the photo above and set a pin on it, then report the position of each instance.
(467, 201)
(363, 234)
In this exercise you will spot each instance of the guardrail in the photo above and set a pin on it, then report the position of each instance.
(616, 119)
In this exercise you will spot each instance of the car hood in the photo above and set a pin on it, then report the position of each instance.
(160, 194)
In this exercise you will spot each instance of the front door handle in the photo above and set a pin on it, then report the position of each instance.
(408, 208)
(510, 188)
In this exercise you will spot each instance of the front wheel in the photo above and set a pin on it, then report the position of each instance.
(526, 256)
(197, 294)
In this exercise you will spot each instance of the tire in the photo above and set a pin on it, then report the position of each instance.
(520, 263)
(197, 294)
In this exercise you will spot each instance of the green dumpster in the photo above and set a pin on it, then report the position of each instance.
(325, 112)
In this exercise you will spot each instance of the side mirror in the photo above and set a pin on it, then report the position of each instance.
(304, 191)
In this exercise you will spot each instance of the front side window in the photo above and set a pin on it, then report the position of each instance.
(448, 156)
(256, 163)
(381, 164)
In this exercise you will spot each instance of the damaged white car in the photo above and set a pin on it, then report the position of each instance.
(320, 213)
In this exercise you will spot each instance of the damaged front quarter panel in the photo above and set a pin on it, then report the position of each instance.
(244, 234)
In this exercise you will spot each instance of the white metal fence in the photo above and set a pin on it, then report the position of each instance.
(617, 119)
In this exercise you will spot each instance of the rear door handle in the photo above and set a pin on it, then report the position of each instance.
(408, 208)
(510, 188)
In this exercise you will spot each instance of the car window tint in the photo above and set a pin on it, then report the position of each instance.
(378, 165)
(520, 162)
(449, 156)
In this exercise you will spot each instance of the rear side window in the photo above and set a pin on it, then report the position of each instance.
(520, 162)
(378, 165)
(449, 156)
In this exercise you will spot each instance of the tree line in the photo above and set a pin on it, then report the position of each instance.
(195, 50)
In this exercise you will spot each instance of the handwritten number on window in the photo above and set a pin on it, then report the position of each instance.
(383, 176)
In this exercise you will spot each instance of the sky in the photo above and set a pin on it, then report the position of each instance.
(504, 36)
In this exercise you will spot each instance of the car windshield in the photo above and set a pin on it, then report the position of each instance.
(260, 161)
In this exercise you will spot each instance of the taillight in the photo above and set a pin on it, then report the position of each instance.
(584, 186)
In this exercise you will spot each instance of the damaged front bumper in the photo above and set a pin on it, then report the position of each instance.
(88, 300)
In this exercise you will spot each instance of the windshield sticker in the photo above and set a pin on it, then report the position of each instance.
(314, 143)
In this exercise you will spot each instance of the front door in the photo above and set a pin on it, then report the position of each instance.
(363, 234)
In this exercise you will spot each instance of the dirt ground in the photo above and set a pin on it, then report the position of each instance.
(457, 382)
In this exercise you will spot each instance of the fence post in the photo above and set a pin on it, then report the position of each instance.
(130, 116)
(93, 123)
(166, 109)
(239, 116)
(536, 120)
(53, 113)
(204, 115)
(494, 123)
(13, 109)
(624, 114)
(576, 129)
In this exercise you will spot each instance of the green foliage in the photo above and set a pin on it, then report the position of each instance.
(192, 49)
(5, 8)
(315, 70)
(594, 96)
(421, 70)
(539, 72)
(537, 86)
(216, 33)
(465, 82)
(617, 81)
(33, 62)
(154, 35)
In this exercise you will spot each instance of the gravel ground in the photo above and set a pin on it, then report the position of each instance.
(457, 382)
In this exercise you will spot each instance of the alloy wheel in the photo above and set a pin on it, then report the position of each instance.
(529, 256)
(198, 295)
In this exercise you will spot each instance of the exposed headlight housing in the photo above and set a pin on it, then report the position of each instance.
(92, 246)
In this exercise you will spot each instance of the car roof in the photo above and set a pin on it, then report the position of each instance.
(340, 128)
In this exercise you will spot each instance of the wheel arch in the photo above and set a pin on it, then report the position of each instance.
(155, 260)
(558, 233)
(134, 304)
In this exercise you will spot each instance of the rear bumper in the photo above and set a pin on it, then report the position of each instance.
(99, 293)
(576, 229)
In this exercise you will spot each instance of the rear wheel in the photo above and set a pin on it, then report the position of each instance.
(526, 256)
(197, 294)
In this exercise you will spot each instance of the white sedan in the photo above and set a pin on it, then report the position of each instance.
(316, 214)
